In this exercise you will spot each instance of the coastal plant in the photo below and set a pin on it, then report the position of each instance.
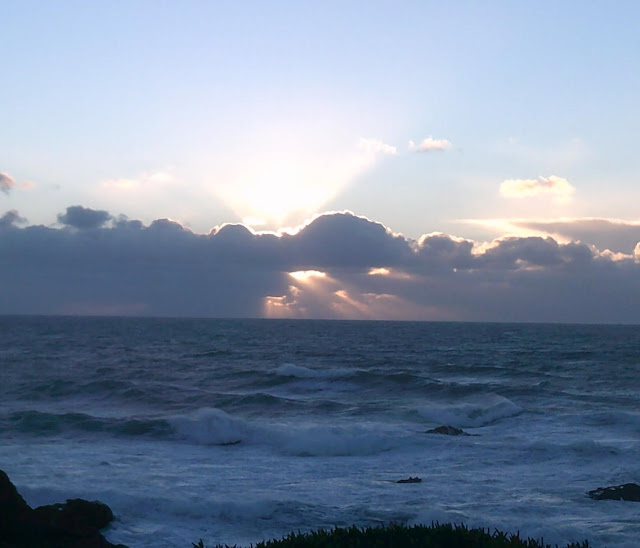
(399, 536)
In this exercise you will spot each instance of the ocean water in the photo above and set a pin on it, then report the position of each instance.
(235, 431)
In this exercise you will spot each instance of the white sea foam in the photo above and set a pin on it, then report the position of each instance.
(587, 449)
(210, 426)
(470, 412)
(328, 440)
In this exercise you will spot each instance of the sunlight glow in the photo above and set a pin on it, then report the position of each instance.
(306, 275)
(253, 221)
(348, 307)
(323, 296)
(289, 178)
(390, 273)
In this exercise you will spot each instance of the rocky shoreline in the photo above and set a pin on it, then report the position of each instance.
(74, 524)
(77, 523)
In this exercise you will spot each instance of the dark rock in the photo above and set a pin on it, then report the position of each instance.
(74, 524)
(11, 503)
(447, 431)
(410, 480)
(628, 491)
(15, 514)
(76, 517)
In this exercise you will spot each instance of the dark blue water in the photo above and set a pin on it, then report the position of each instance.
(238, 430)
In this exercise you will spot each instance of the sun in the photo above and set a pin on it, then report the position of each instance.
(278, 190)
(284, 179)
(274, 190)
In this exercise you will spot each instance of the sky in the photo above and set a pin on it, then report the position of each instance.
(370, 160)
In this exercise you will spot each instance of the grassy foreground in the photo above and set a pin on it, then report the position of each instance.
(399, 536)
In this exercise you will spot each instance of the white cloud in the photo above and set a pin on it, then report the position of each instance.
(557, 187)
(6, 182)
(429, 144)
(158, 178)
(375, 146)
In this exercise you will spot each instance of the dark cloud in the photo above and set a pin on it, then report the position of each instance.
(440, 251)
(11, 218)
(6, 182)
(518, 253)
(84, 218)
(345, 240)
(351, 267)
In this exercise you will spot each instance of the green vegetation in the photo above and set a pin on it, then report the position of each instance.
(399, 536)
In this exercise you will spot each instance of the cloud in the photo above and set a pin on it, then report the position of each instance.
(346, 240)
(617, 235)
(440, 251)
(148, 180)
(614, 234)
(6, 182)
(11, 218)
(375, 146)
(533, 253)
(557, 187)
(83, 217)
(430, 144)
(338, 265)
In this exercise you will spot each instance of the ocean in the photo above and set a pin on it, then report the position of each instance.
(234, 431)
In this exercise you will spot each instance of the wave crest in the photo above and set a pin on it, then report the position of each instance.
(210, 426)
(471, 412)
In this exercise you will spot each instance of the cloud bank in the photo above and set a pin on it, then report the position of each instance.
(338, 265)
(616, 235)
(613, 234)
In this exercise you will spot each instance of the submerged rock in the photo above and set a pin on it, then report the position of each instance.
(447, 431)
(74, 524)
(410, 480)
(627, 491)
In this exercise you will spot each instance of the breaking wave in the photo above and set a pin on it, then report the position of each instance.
(471, 412)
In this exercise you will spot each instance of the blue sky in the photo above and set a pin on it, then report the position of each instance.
(476, 119)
